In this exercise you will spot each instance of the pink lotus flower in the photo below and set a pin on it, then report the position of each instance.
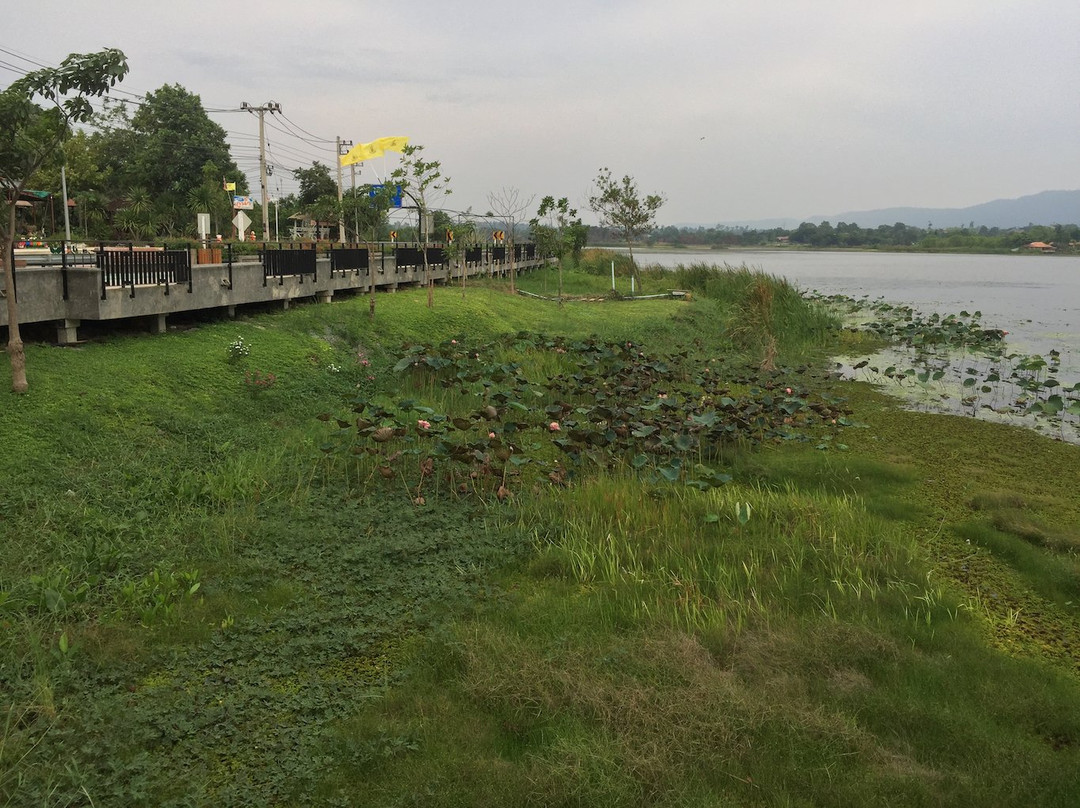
(787, 390)
(491, 434)
(423, 424)
(554, 426)
(453, 342)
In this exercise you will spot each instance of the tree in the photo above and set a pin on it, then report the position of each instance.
(379, 199)
(174, 139)
(508, 206)
(557, 230)
(622, 209)
(315, 183)
(420, 179)
(29, 135)
(80, 167)
(460, 237)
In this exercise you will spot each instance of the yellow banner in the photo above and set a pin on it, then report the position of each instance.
(376, 148)
(391, 143)
(230, 186)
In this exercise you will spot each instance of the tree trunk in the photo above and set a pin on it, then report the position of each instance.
(16, 354)
(371, 278)
(513, 263)
(428, 280)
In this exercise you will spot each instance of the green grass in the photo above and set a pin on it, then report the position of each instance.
(201, 608)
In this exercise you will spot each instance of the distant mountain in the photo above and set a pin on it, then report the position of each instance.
(1047, 207)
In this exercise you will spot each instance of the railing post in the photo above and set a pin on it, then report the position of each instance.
(164, 267)
(101, 266)
(63, 267)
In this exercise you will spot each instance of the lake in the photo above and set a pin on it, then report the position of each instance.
(1036, 298)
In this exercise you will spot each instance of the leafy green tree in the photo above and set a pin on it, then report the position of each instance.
(174, 139)
(29, 135)
(315, 183)
(420, 180)
(557, 231)
(112, 148)
(210, 197)
(622, 209)
(92, 214)
(369, 208)
(80, 166)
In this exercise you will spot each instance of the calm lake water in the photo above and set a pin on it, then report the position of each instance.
(1036, 298)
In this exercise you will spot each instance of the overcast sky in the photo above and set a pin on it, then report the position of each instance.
(733, 110)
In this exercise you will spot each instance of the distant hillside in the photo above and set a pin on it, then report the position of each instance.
(1047, 207)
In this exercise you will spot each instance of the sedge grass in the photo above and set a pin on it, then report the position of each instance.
(682, 557)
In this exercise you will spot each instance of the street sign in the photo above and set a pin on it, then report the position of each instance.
(241, 221)
(395, 198)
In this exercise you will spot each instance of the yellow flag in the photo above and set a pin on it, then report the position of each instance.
(396, 143)
(230, 186)
(376, 148)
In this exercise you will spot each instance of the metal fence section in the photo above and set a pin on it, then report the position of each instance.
(408, 257)
(349, 259)
(281, 261)
(130, 266)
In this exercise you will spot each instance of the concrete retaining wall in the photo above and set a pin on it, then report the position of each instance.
(41, 290)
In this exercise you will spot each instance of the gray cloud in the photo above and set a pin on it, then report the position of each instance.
(804, 107)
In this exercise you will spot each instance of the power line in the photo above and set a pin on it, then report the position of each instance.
(306, 132)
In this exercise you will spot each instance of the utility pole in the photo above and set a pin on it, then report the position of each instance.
(343, 147)
(356, 211)
(271, 107)
(63, 190)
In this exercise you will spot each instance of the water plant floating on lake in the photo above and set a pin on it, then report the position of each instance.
(953, 363)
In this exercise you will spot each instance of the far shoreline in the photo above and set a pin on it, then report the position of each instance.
(705, 248)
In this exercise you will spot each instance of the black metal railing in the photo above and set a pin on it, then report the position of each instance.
(130, 266)
(498, 255)
(349, 259)
(280, 261)
(408, 257)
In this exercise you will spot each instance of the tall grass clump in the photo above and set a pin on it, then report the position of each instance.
(767, 315)
(727, 557)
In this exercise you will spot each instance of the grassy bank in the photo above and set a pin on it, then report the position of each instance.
(673, 564)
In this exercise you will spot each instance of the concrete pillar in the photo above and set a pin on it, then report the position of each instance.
(231, 311)
(285, 304)
(157, 324)
(67, 332)
(325, 297)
